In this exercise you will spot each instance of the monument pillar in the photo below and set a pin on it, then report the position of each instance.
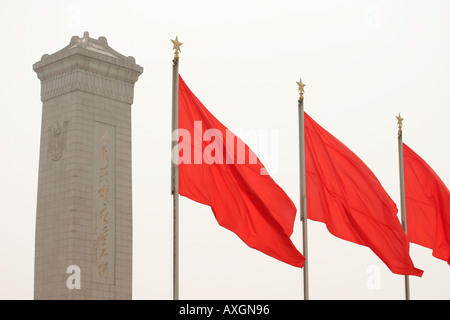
(83, 244)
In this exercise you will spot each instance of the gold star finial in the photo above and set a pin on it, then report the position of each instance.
(176, 46)
(301, 87)
(399, 122)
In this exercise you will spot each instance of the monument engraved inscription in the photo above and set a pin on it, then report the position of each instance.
(104, 202)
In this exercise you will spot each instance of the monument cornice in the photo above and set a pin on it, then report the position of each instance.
(89, 65)
(82, 58)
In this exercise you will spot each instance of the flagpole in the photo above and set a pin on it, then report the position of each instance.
(303, 215)
(402, 190)
(174, 171)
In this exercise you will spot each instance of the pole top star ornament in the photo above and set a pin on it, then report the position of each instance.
(301, 87)
(176, 46)
(399, 122)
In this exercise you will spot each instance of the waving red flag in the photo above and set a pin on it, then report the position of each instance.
(343, 193)
(214, 171)
(427, 206)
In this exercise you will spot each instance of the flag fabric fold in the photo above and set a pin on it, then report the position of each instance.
(343, 193)
(214, 170)
(427, 206)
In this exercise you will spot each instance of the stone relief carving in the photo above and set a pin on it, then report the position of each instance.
(57, 137)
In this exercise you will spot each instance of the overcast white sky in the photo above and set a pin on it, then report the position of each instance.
(363, 62)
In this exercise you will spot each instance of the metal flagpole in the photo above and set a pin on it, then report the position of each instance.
(174, 171)
(303, 210)
(402, 190)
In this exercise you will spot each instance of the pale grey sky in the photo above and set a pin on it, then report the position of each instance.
(363, 62)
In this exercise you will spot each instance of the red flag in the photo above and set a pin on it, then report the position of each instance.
(427, 206)
(217, 169)
(343, 193)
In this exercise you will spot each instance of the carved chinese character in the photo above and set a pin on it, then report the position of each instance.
(104, 173)
(103, 214)
(104, 154)
(103, 236)
(104, 136)
(103, 193)
(103, 269)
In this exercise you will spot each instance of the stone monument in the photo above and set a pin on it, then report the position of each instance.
(83, 244)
